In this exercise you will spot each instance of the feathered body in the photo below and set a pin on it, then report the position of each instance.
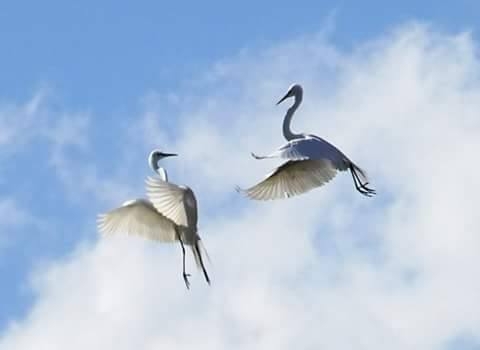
(170, 214)
(310, 162)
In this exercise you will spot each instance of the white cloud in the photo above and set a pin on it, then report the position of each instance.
(67, 138)
(329, 269)
(38, 119)
(29, 130)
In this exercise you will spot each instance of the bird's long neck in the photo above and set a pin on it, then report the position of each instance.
(160, 171)
(163, 174)
(287, 131)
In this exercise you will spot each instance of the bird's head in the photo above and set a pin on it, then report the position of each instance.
(294, 90)
(156, 155)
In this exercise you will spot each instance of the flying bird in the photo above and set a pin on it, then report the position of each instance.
(168, 215)
(310, 162)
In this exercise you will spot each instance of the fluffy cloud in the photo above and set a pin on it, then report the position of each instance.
(329, 269)
(29, 131)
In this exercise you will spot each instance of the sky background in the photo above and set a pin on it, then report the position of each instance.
(87, 90)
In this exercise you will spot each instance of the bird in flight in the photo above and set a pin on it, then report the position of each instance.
(168, 215)
(310, 162)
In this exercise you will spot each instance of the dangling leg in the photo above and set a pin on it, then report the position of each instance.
(358, 182)
(362, 188)
(185, 275)
(197, 249)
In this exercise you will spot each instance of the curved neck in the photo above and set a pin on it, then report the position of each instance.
(287, 132)
(163, 174)
(160, 171)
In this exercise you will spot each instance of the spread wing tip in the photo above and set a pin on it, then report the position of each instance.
(101, 218)
(244, 192)
(240, 190)
(251, 193)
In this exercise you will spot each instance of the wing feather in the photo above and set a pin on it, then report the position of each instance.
(138, 217)
(177, 203)
(293, 178)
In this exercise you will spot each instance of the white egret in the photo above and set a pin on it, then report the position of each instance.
(311, 162)
(169, 215)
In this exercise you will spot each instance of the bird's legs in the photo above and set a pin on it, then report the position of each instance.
(185, 275)
(201, 263)
(361, 187)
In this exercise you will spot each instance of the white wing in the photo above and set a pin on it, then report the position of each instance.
(293, 178)
(177, 203)
(137, 217)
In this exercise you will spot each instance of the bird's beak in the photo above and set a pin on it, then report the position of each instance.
(284, 98)
(169, 154)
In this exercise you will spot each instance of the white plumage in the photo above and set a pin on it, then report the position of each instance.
(138, 217)
(310, 162)
(169, 215)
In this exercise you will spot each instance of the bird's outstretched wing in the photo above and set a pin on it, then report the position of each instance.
(177, 203)
(137, 217)
(310, 147)
(292, 178)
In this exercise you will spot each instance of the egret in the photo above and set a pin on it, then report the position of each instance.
(311, 162)
(168, 215)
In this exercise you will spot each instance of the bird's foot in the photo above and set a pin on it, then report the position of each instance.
(366, 191)
(185, 278)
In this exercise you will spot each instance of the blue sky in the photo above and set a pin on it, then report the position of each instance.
(87, 90)
(98, 54)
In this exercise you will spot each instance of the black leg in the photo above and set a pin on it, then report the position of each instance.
(201, 263)
(362, 188)
(185, 275)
